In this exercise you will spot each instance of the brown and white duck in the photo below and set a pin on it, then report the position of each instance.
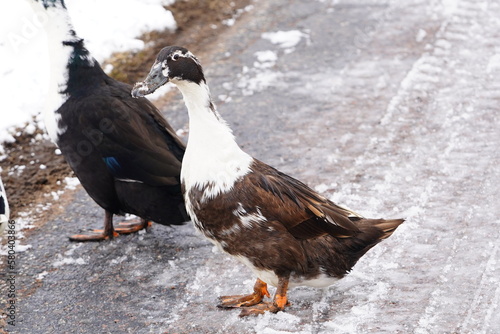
(284, 231)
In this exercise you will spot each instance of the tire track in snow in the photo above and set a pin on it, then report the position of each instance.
(432, 320)
(482, 315)
(481, 291)
(424, 78)
(423, 75)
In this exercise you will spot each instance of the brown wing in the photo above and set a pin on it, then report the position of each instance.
(304, 213)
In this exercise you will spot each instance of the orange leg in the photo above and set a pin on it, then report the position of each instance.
(109, 232)
(279, 302)
(259, 291)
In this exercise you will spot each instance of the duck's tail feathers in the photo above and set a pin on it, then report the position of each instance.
(387, 226)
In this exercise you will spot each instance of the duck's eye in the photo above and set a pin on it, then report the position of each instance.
(175, 57)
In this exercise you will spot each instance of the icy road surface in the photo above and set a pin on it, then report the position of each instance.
(388, 107)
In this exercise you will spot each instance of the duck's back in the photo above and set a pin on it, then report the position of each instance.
(123, 151)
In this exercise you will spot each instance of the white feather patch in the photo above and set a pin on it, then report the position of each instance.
(248, 219)
(268, 276)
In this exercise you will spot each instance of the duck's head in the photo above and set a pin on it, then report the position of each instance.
(173, 63)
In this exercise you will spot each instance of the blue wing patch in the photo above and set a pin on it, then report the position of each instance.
(113, 165)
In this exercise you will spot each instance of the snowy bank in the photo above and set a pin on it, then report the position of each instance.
(107, 27)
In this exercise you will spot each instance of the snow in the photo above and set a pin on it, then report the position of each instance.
(285, 39)
(21, 223)
(237, 14)
(67, 257)
(267, 57)
(258, 77)
(67, 260)
(125, 20)
(420, 35)
(494, 63)
(24, 56)
(42, 275)
(71, 182)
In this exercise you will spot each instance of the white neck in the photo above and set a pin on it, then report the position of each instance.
(57, 25)
(212, 158)
(4, 217)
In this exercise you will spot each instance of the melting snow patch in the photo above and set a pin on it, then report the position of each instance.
(494, 64)
(61, 260)
(265, 58)
(346, 326)
(42, 275)
(321, 188)
(72, 249)
(230, 22)
(257, 79)
(118, 260)
(55, 194)
(30, 129)
(129, 216)
(21, 223)
(71, 182)
(420, 35)
(224, 98)
(22, 248)
(449, 6)
(285, 39)
(270, 323)
(68, 260)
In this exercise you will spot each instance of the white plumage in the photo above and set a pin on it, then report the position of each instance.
(4, 208)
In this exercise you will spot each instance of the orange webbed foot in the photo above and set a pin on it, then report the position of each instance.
(278, 304)
(132, 227)
(109, 232)
(253, 305)
(95, 235)
(259, 309)
(260, 290)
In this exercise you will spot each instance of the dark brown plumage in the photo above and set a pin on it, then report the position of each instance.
(276, 225)
(303, 231)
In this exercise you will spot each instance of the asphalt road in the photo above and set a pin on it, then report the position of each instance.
(388, 107)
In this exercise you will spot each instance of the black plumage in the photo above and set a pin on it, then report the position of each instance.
(123, 151)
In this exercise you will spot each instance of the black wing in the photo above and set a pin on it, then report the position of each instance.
(131, 136)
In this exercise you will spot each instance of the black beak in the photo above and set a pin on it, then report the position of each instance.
(153, 81)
